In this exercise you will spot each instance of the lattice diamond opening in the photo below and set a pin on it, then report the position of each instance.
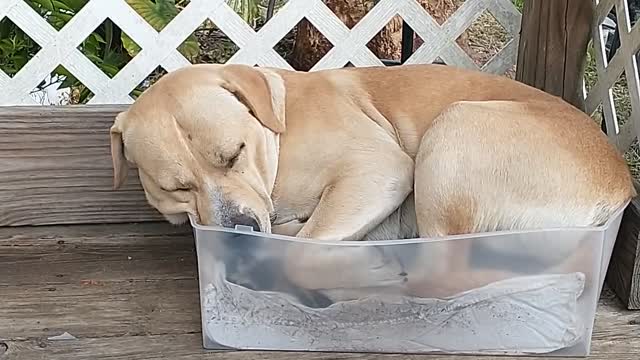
(148, 81)
(211, 44)
(109, 48)
(249, 10)
(621, 100)
(61, 87)
(158, 13)
(485, 38)
(309, 46)
(591, 70)
(16, 47)
(57, 13)
(632, 157)
(351, 12)
(441, 10)
(609, 37)
(598, 116)
(387, 44)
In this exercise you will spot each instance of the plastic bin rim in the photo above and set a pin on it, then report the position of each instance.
(600, 228)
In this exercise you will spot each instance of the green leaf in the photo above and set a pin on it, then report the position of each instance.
(69, 79)
(47, 4)
(7, 44)
(109, 69)
(5, 28)
(115, 58)
(247, 9)
(76, 5)
(136, 92)
(57, 23)
(190, 48)
(98, 38)
(130, 46)
(91, 48)
(61, 5)
(84, 95)
(91, 44)
(68, 82)
(64, 18)
(20, 61)
(157, 14)
(95, 58)
(5, 48)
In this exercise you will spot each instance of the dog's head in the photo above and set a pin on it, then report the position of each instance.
(205, 141)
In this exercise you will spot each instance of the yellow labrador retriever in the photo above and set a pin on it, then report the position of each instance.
(369, 154)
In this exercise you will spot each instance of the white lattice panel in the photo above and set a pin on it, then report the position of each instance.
(624, 60)
(159, 49)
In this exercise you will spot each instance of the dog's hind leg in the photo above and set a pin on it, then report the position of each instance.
(480, 168)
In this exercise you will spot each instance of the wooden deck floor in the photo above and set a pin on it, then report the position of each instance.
(125, 295)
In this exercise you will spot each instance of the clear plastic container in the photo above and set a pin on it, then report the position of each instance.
(518, 293)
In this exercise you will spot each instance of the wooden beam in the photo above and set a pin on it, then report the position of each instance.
(553, 46)
(623, 275)
(55, 168)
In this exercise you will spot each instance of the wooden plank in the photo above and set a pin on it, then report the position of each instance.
(147, 307)
(553, 46)
(616, 336)
(102, 308)
(70, 254)
(97, 280)
(55, 168)
(185, 347)
(623, 275)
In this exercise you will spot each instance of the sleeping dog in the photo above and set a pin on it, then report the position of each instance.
(372, 154)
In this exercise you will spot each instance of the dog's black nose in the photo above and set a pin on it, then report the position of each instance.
(245, 220)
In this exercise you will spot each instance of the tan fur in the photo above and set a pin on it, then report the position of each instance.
(370, 154)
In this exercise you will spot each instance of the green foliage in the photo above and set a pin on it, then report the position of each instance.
(107, 47)
(57, 12)
(248, 10)
(519, 4)
(158, 14)
(16, 48)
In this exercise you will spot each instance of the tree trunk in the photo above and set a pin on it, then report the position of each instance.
(310, 45)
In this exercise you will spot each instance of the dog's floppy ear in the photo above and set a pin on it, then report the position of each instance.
(262, 92)
(120, 167)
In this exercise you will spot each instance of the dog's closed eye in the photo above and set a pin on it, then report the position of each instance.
(174, 189)
(232, 160)
(178, 187)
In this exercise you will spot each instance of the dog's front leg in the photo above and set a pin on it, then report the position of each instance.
(351, 208)
(348, 209)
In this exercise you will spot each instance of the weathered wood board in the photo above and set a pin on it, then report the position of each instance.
(553, 46)
(131, 292)
(623, 275)
(55, 168)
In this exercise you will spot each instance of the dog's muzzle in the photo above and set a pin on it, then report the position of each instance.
(243, 220)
